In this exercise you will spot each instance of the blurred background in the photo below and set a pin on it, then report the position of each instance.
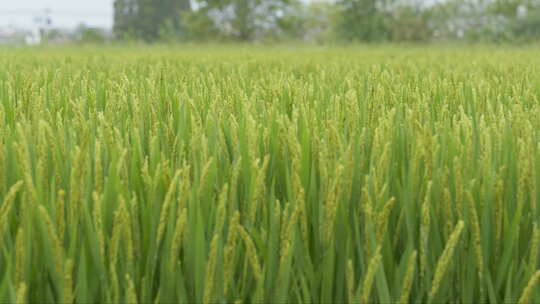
(37, 22)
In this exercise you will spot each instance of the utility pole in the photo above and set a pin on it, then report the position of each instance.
(43, 23)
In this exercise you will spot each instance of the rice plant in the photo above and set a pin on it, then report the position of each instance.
(269, 175)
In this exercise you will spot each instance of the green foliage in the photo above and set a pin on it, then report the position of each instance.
(524, 27)
(362, 20)
(320, 21)
(89, 35)
(246, 20)
(148, 20)
(528, 28)
(200, 27)
(323, 21)
(410, 23)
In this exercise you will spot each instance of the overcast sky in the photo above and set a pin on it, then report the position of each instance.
(64, 13)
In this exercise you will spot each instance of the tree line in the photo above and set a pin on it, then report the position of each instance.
(326, 20)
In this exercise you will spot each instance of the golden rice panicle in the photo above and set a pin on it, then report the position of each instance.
(209, 278)
(448, 213)
(3, 164)
(459, 189)
(74, 189)
(525, 297)
(23, 159)
(98, 222)
(253, 147)
(397, 239)
(131, 292)
(259, 188)
(166, 205)
(178, 235)
(230, 250)
(115, 238)
(408, 280)
(21, 293)
(350, 281)
(233, 132)
(304, 226)
(127, 235)
(486, 146)
(234, 183)
(445, 260)
(7, 205)
(300, 201)
(382, 219)
(67, 293)
(60, 215)
(322, 165)
(424, 230)
(98, 168)
(113, 253)
(221, 212)
(42, 156)
(58, 252)
(533, 192)
(347, 180)
(121, 167)
(133, 210)
(331, 205)
(287, 237)
(525, 170)
(369, 214)
(20, 256)
(477, 240)
(499, 209)
(535, 242)
(204, 176)
(370, 276)
(251, 253)
(145, 174)
(184, 188)
(285, 220)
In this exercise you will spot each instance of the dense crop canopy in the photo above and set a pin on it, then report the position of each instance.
(269, 175)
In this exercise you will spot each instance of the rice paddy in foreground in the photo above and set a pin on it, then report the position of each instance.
(251, 175)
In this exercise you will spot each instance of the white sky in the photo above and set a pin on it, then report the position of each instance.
(64, 13)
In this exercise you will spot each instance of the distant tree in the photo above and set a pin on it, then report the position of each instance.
(199, 26)
(243, 20)
(146, 19)
(85, 34)
(125, 14)
(327, 20)
(528, 27)
(312, 21)
(486, 20)
(409, 22)
(509, 8)
(521, 18)
(363, 20)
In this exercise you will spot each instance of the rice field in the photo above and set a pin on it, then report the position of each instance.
(270, 175)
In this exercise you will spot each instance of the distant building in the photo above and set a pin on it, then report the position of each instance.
(14, 36)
